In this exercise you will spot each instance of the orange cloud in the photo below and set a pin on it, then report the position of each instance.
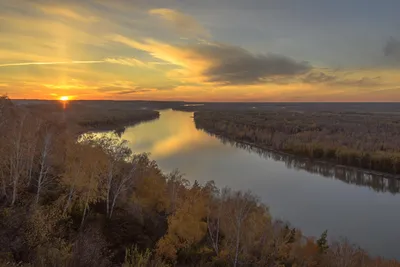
(184, 24)
(66, 12)
(133, 62)
(218, 63)
(50, 63)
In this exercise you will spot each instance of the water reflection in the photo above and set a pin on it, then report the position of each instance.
(174, 133)
(377, 182)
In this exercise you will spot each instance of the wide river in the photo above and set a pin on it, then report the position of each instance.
(311, 196)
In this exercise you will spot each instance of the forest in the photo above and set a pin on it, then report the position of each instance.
(374, 181)
(84, 116)
(91, 201)
(362, 140)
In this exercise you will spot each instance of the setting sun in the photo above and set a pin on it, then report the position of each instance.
(64, 98)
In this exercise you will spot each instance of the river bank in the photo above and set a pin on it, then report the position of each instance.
(311, 160)
(331, 138)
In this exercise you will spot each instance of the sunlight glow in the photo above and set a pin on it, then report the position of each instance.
(64, 98)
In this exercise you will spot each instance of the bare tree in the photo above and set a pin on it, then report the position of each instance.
(344, 254)
(238, 205)
(32, 148)
(117, 152)
(123, 182)
(17, 155)
(214, 213)
(175, 182)
(44, 163)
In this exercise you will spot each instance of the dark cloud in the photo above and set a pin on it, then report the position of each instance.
(363, 82)
(319, 77)
(109, 89)
(235, 65)
(392, 48)
(124, 90)
(134, 91)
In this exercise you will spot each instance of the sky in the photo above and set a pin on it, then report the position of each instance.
(209, 50)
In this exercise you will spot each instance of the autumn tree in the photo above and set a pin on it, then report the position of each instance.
(85, 167)
(117, 152)
(215, 208)
(47, 154)
(186, 225)
(239, 206)
(17, 153)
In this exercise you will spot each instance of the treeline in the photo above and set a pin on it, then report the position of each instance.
(376, 182)
(92, 202)
(363, 140)
(86, 115)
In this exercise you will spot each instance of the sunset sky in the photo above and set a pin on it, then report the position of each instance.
(208, 50)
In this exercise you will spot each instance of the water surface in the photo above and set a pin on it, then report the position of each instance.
(311, 196)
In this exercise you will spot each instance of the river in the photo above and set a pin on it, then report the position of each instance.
(314, 197)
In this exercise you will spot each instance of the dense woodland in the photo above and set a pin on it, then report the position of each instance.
(87, 115)
(92, 202)
(374, 181)
(363, 140)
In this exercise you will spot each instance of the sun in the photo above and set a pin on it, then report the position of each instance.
(64, 98)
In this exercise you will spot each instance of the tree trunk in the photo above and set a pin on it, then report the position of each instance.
(115, 198)
(237, 245)
(30, 171)
(109, 183)
(217, 238)
(84, 215)
(39, 186)
(71, 191)
(15, 185)
(3, 185)
(3, 188)
(112, 206)
(38, 194)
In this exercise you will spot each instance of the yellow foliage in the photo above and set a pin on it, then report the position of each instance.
(167, 248)
(186, 226)
(151, 192)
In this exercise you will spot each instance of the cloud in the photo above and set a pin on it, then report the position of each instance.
(128, 87)
(184, 24)
(66, 12)
(219, 63)
(121, 61)
(235, 65)
(133, 62)
(50, 63)
(136, 90)
(392, 48)
(362, 82)
(318, 77)
(323, 78)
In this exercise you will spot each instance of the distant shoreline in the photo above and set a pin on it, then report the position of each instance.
(267, 149)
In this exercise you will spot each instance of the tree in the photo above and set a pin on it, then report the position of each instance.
(85, 166)
(89, 190)
(177, 185)
(214, 212)
(128, 174)
(322, 242)
(238, 206)
(74, 172)
(185, 226)
(44, 163)
(117, 152)
(17, 153)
